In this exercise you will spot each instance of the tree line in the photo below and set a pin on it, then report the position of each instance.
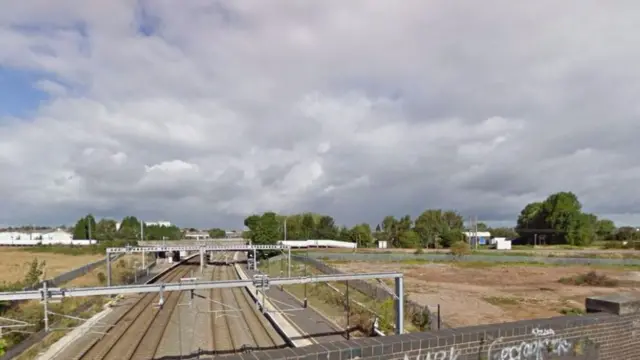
(130, 229)
(559, 219)
(434, 228)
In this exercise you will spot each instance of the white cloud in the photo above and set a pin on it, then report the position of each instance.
(356, 108)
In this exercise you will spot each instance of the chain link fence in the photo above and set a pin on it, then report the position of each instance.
(377, 292)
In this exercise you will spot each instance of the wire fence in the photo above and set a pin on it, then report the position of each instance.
(472, 258)
(73, 274)
(376, 291)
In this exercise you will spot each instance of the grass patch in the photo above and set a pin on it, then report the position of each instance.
(589, 279)
(502, 300)
(571, 311)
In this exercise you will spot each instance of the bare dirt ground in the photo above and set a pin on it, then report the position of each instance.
(540, 251)
(474, 296)
(15, 263)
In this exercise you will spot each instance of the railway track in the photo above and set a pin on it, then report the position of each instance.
(138, 331)
(236, 324)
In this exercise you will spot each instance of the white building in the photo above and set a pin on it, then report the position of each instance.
(158, 223)
(51, 237)
(58, 236)
(148, 223)
(201, 235)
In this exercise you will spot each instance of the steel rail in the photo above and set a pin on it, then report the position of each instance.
(100, 347)
(59, 293)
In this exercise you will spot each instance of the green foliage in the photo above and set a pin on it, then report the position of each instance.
(85, 228)
(460, 249)
(217, 233)
(35, 272)
(560, 220)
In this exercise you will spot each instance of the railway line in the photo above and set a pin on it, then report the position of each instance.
(141, 330)
(238, 327)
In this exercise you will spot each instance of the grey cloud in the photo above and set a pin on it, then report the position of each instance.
(477, 107)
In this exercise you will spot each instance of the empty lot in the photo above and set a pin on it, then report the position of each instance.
(15, 263)
(482, 295)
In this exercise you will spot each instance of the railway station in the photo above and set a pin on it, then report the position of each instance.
(207, 301)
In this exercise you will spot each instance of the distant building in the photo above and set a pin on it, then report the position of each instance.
(158, 223)
(57, 236)
(197, 235)
(148, 223)
(480, 237)
(30, 238)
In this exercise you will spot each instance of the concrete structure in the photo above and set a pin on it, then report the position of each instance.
(202, 250)
(382, 244)
(200, 235)
(318, 244)
(609, 331)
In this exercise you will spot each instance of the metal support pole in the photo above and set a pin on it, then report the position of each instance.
(255, 260)
(348, 309)
(46, 307)
(108, 269)
(306, 302)
(289, 261)
(399, 305)
(201, 261)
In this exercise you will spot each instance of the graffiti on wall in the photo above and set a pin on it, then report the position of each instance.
(544, 344)
(450, 354)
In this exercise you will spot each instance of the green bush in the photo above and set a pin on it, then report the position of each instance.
(102, 278)
(460, 249)
(589, 279)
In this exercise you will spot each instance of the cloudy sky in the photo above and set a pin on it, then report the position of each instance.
(201, 112)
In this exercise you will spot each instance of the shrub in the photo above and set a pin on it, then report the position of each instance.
(460, 249)
(418, 251)
(102, 278)
(589, 279)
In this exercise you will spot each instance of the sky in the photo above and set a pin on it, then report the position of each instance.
(203, 112)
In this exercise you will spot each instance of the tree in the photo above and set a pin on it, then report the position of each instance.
(308, 226)
(326, 228)
(85, 228)
(361, 235)
(560, 218)
(409, 239)
(217, 233)
(129, 228)
(605, 229)
(482, 227)
(106, 230)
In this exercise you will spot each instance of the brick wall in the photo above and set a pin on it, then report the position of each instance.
(610, 330)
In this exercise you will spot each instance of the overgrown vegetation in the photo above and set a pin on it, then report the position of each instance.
(460, 249)
(32, 311)
(572, 311)
(590, 279)
(97, 249)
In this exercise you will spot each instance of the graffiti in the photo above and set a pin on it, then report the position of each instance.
(531, 350)
(451, 354)
(542, 332)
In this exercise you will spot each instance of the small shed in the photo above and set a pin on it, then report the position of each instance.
(382, 244)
